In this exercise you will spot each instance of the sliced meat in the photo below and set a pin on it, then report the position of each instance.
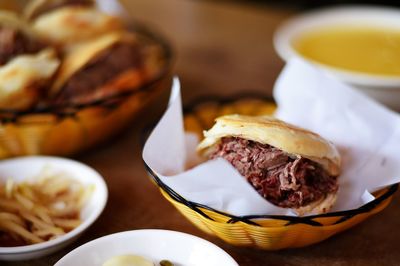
(284, 180)
(14, 42)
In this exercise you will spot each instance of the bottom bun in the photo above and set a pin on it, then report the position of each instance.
(317, 207)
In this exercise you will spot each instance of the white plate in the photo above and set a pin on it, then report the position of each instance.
(156, 245)
(23, 168)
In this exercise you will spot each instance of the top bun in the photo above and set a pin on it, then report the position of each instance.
(276, 133)
(69, 25)
(36, 8)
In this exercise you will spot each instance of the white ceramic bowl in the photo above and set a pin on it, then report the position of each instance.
(384, 89)
(156, 245)
(27, 167)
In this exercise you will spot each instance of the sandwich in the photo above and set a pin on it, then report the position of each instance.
(26, 64)
(108, 65)
(289, 166)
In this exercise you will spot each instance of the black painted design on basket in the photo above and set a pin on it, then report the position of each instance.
(249, 219)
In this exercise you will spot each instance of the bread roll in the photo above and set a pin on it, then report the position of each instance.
(243, 140)
(68, 25)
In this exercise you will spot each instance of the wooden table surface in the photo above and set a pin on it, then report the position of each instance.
(220, 48)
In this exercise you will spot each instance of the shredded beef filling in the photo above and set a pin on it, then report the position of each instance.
(13, 43)
(102, 69)
(284, 180)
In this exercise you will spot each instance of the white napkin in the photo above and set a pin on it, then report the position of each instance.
(367, 135)
(213, 183)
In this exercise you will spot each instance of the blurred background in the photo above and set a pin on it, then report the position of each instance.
(302, 4)
(307, 4)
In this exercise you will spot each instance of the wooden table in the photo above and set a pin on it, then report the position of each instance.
(221, 48)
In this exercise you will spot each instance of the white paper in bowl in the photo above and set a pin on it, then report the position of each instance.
(366, 133)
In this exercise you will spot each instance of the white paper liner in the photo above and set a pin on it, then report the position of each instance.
(366, 133)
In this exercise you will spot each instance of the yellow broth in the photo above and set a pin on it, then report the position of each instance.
(361, 49)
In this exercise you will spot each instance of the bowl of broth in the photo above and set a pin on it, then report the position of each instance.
(359, 45)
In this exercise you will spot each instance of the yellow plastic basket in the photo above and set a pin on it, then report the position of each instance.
(269, 232)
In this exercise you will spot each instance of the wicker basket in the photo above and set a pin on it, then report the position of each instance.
(70, 129)
(269, 232)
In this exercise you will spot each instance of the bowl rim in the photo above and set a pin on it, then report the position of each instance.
(70, 109)
(101, 189)
(93, 242)
(342, 216)
(329, 16)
